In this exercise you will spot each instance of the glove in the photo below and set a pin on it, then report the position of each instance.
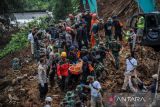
(60, 77)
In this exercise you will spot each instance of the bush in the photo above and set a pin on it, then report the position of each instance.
(19, 40)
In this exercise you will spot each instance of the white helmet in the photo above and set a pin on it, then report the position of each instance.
(49, 99)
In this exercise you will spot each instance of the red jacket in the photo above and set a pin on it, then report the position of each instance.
(62, 68)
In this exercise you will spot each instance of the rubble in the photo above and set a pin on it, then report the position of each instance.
(17, 88)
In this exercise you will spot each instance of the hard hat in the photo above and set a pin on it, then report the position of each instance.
(84, 48)
(49, 99)
(63, 54)
(109, 19)
(85, 59)
(95, 48)
(101, 43)
(155, 76)
(94, 15)
(90, 78)
(113, 40)
(115, 17)
(68, 28)
(72, 48)
(79, 88)
(71, 16)
(70, 94)
(101, 20)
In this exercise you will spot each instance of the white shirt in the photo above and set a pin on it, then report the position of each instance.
(48, 36)
(42, 76)
(94, 92)
(30, 38)
(68, 38)
(131, 64)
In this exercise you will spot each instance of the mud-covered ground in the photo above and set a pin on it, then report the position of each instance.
(16, 88)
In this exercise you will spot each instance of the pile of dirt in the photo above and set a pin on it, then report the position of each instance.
(147, 66)
(17, 88)
(122, 8)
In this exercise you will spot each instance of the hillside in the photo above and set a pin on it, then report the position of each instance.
(21, 88)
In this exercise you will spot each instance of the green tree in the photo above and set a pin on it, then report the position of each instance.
(62, 8)
(7, 6)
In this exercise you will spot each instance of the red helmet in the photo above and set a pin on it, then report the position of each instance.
(94, 15)
(71, 16)
(68, 28)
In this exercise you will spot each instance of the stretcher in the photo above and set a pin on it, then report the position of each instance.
(76, 69)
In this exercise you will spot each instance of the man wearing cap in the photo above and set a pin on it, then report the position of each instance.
(86, 71)
(108, 29)
(152, 87)
(96, 97)
(102, 51)
(88, 18)
(62, 71)
(115, 47)
(43, 80)
(101, 30)
(117, 28)
(140, 28)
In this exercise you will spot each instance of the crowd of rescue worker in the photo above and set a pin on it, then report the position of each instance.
(85, 37)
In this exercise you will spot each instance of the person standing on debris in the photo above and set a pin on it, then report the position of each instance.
(132, 41)
(42, 77)
(102, 51)
(70, 20)
(79, 35)
(95, 87)
(131, 65)
(72, 55)
(115, 47)
(140, 28)
(101, 32)
(117, 28)
(31, 40)
(62, 71)
(94, 29)
(68, 37)
(86, 68)
(52, 68)
(84, 34)
(88, 18)
(108, 29)
(137, 87)
(94, 36)
(152, 87)
(36, 44)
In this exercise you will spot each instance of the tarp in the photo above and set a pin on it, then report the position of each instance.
(147, 5)
(84, 4)
(93, 5)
